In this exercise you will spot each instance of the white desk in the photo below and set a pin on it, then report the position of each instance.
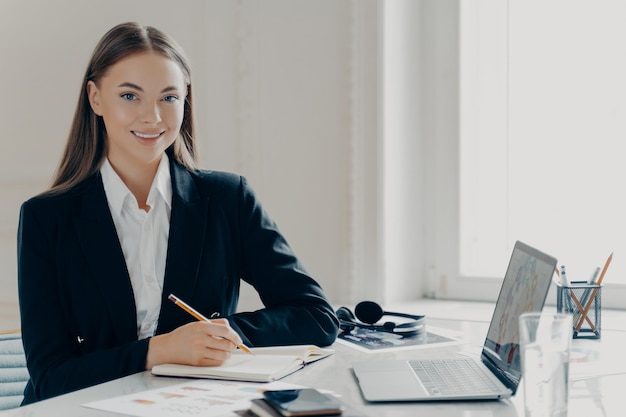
(599, 396)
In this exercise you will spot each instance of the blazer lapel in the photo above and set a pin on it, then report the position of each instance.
(188, 224)
(104, 254)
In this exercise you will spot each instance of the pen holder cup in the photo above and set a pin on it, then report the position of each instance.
(583, 302)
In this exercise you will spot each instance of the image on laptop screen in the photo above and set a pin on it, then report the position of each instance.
(519, 294)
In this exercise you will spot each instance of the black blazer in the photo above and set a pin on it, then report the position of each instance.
(77, 308)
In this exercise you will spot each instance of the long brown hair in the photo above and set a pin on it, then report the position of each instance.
(86, 145)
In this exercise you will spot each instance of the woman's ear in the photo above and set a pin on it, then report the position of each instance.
(93, 93)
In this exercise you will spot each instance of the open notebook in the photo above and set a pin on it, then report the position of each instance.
(267, 364)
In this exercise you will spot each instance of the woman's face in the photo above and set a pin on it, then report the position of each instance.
(141, 100)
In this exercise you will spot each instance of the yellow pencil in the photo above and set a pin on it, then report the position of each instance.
(180, 303)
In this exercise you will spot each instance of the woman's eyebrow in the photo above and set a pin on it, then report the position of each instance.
(136, 87)
(131, 85)
(170, 88)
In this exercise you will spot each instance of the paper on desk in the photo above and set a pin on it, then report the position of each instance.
(208, 398)
(371, 341)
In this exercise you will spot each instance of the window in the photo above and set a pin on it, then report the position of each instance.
(542, 137)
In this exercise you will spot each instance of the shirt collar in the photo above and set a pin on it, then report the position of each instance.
(117, 192)
(162, 182)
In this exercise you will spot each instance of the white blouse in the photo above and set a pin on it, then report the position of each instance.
(143, 237)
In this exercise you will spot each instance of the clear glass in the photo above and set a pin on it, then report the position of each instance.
(545, 341)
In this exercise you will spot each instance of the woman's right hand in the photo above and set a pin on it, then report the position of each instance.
(200, 343)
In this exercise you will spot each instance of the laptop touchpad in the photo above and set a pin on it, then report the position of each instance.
(387, 380)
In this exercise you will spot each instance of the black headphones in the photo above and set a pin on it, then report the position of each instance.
(369, 313)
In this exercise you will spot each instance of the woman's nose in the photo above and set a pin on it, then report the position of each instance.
(151, 114)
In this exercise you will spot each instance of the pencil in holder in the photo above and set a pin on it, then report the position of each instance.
(584, 302)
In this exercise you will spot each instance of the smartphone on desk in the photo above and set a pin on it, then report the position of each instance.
(303, 402)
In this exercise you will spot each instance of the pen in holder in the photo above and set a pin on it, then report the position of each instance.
(583, 302)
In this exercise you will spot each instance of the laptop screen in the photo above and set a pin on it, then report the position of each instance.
(524, 288)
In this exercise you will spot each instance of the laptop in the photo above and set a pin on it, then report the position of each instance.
(496, 374)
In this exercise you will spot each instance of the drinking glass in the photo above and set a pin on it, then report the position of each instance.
(545, 341)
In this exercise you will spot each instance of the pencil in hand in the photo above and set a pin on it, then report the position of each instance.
(180, 303)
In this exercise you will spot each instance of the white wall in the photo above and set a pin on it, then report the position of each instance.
(402, 187)
(286, 93)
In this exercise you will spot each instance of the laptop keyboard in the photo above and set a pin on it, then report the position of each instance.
(460, 376)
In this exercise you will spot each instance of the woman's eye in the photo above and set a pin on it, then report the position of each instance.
(170, 98)
(129, 96)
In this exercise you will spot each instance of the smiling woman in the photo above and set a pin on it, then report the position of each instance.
(150, 60)
(267, 103)
(141, 101)
(130, 220)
